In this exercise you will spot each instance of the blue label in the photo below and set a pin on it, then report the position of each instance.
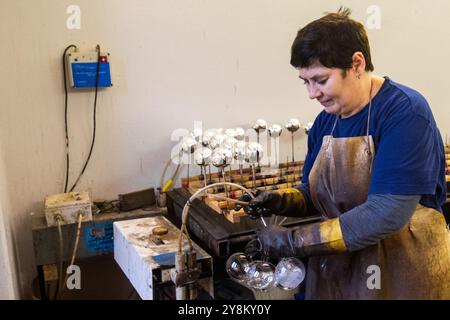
(99, 238)
(85, 74)
(168, 259)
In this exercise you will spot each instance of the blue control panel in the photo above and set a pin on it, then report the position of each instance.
(85, 74)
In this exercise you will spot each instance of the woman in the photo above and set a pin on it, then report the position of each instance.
(374, 170)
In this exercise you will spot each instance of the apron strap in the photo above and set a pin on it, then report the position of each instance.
(369, 150)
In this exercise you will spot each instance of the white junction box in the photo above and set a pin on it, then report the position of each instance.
(67, 207)
(147, 260)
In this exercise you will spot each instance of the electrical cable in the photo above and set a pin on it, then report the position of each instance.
(65, 114)
(165, 186)
(61, 257)
(95, 120)
(74, 252)
(166, 167)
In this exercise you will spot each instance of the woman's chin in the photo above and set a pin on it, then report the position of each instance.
(330, 110)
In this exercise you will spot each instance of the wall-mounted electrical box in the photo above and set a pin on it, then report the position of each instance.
(82, 69)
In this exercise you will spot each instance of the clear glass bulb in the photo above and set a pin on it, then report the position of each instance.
(289, 273)
(253, 250)
(261, 275)
(237, 266)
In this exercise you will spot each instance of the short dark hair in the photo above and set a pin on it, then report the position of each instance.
(331, 40)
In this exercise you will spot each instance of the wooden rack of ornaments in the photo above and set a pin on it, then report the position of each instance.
(286, 175)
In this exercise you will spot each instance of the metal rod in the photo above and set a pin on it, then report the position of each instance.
(269, 151)
(293, 175)
(254, 176)
(210, 178)
(280, 171)
(292, 143)
(263, 222)
(204, 177)
(287, 171)
(257, 153)
(240, 171)
(283, 220)
(276, 153)
(188, 174)
(226, 189)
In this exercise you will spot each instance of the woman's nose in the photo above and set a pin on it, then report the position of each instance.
(313, 92)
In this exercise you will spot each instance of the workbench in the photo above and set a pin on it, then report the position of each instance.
(96, 238)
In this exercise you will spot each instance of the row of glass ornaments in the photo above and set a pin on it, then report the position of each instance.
(219, 147)
(258, 273)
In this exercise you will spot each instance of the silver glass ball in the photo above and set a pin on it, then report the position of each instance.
(202, 156)
(207, 136)
(197, 134)
(254, 152)
(239, 151)
(239, 134)
(293, 125)
(229, 143)
(216, 141)
(230, 133)
(260, 125)
(275, 130)
(221, 157)
(188, 144)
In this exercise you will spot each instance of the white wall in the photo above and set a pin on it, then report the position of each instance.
(8, 273)
(174, 61)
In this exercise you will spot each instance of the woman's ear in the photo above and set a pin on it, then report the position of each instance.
(358, 63)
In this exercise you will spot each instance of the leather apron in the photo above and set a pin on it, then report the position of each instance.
(414, 262)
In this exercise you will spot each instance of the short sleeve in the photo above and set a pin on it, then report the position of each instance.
(310, 155)
(406, 157)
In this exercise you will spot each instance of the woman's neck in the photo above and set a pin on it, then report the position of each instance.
(370, 86)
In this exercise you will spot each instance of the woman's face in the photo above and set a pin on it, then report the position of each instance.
(334, 90)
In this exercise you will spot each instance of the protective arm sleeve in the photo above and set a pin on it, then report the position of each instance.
(296, 202)
(379, 216)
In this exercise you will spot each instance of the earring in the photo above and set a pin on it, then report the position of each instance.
(358, 76)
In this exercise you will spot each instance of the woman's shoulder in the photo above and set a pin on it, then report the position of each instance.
(398, 99)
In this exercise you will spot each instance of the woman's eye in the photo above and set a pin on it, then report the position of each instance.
(305, 82)
(321, 82)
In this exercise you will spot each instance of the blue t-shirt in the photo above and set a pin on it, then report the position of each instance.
(409, 151)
